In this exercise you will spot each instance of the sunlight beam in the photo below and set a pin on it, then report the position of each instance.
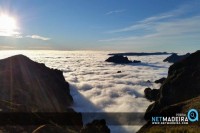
(8, 26)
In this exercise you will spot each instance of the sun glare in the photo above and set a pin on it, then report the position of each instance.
(8, 25)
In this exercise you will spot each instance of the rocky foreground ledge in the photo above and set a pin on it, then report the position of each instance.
(28, 88)
(33, 86)
(179, 93)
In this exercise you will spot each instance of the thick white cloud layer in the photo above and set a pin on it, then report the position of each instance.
(95, 84)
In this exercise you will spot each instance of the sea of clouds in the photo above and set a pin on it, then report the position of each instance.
(95, 84)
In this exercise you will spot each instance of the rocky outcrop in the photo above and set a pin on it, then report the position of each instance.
(136, 61)
(182, 84)
(40, 97)
(31, 88)
(175, 58)
(119, 59)
(96, 126)
(160, 81)
(152, 94)
(33, 85)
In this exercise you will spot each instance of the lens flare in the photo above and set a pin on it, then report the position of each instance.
(8, 25)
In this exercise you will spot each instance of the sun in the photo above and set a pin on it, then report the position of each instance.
(8, 25)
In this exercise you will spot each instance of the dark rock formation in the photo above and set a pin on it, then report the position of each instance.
(183, 80)
(96, 126)
(175, 58)
(179, 93)
(181, 84)
(27, 86)
(136, 61)
(33, 85)
(119, 71)
(152, 94)
(148, 81)
(119, 59)
(160, 81)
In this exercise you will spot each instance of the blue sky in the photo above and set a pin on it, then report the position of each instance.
(128, 25)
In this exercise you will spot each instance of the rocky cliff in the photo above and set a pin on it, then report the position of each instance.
(33, 85)
(182, 84)
(35, 98)
(27, 89)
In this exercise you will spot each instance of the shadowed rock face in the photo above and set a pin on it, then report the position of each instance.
(32, 86)
(181, 84)
(178, 93)
(152, 94)
(26, 87)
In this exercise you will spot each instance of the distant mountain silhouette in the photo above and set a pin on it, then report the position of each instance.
(120, 59)
(175, 58)
(140, 54)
